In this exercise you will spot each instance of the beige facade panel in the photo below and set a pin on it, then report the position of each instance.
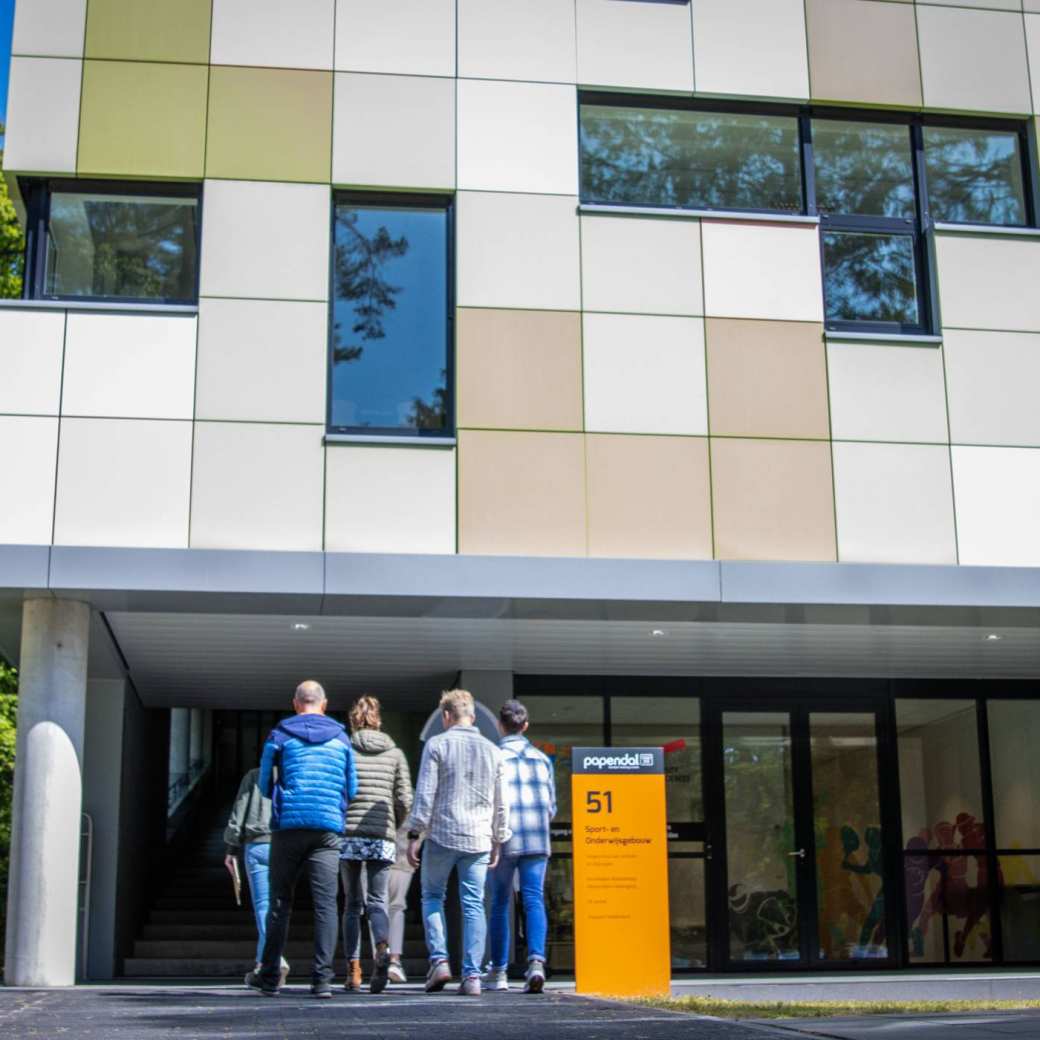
(521, 494)
(43, 115)
(129, 366)
(273, 33)
(894, 503)
(29, 448)
(143, 119)
(641, 265)
(262, 361)
(520, 137)
(393, 131)
(769, 271)
(636, 45)
(519, 369)
(49, 28)
(973, 59)
(989, 282)
(246, 256)
(269, 124)
(389, 500)
(149, 30)
(998, 501)
(750, 47)
(881, 68)
(772, 500)
(649, 497)
(412, 37)
(518, 251)
(992, 379)
(31, 346)
(123, 482)
(531, 41)
(644, 374)
(767, 379)
(257, 486)
(882, 392)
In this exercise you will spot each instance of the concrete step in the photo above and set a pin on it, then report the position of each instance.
(233, 949)
(190, 968)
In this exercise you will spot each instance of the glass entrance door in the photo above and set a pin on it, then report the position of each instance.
(799, 858)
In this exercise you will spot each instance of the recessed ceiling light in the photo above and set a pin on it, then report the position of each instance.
(993, 638)
(657, 633)
(300, 626)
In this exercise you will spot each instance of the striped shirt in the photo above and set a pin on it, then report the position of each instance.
(531, 796)
(459, 802)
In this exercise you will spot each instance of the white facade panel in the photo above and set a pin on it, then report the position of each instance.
(31, 345)
(129, 366)
(412, 37)
(273, 33)
(29, 448)
(49, 28)
(43, 115)
(531, 41)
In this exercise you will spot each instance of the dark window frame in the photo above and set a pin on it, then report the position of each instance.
(396, 200)
(921, 227)
(37, 194)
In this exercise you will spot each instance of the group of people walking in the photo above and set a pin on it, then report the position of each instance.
(340, 806)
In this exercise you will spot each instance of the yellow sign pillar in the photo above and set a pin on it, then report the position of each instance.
(621, 931)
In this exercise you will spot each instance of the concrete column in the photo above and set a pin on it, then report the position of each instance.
(196, 736)
(180, 741)
(48, 792)
(207, 736)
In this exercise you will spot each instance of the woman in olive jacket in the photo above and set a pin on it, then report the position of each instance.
(382, 803)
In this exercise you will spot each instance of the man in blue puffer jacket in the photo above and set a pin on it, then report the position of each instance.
(307, 770)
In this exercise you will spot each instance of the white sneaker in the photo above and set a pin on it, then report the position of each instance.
(534, 980)
(496, 980)
(396, 972)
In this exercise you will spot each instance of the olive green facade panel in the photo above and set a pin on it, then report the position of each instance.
(149, 30)
(269, 124)
(142, 119)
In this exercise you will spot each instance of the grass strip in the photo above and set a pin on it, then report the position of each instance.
(739, 1009)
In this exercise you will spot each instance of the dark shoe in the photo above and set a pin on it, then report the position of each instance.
(438, 977)
(253, 981)
(380, 974)
(321, 990)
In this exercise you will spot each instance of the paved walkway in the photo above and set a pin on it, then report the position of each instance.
(406, 1013)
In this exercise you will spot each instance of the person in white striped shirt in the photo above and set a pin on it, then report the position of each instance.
(461, 811)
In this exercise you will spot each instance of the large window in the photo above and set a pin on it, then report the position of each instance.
(110, 242)
(390, 352)
(877, 181)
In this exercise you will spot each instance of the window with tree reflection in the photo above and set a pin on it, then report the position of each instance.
(133, 247)
(390, 342)
(675, 157)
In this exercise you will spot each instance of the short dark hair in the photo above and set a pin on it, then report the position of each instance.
(513, 716)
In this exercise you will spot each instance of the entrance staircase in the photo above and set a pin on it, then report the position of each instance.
(194, 929)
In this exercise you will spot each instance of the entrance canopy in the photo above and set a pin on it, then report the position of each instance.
(233, 628)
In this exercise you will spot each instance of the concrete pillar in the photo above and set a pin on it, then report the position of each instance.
(180, 741)
(196, 737)
(207, 737)
(48, 792)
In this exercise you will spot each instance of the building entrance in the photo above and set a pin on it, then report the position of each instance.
(800, 836)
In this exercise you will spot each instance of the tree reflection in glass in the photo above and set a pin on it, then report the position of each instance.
(863, 168)
(122, 247)
(692, 160)
(870, 277)
(974, 176)
(390, 319)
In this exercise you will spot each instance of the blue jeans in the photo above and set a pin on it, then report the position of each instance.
(532, 892)
(437, 864)
(258, 863)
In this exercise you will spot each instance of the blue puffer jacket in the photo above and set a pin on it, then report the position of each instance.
(307, 770)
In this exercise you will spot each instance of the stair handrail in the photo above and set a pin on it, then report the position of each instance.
(86, 839)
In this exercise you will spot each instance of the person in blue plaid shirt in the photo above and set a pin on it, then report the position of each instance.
(530, 792)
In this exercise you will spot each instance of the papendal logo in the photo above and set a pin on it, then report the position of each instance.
(627, 761)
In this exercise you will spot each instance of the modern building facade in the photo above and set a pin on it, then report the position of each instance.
(670, 365)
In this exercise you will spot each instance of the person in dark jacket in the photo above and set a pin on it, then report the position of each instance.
(248, 834)
(383, 800)
(307, 770)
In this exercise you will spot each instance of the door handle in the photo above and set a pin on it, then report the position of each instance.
(800, 854)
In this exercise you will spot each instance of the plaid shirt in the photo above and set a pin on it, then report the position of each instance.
(530, 792)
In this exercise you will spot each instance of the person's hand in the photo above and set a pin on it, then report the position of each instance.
(413, 854)
(496, 854)
(229, 862)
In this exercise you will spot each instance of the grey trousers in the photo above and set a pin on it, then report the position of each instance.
(370, 893)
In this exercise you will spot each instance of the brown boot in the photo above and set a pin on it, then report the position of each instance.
(353, 983)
